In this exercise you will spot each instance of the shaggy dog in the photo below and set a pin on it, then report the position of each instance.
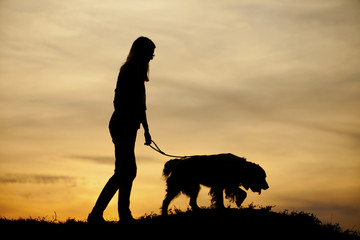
(219, 172)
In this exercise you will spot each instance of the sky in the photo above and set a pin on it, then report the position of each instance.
(276, 82)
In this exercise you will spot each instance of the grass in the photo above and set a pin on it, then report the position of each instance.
(255, 222)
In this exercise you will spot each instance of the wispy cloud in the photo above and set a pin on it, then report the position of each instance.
(347, 212)
(36, 179)
(108, 159)
(95, 159)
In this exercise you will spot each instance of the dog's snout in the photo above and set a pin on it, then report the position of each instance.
(265, 185)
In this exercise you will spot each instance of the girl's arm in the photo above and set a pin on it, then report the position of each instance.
(146, 130)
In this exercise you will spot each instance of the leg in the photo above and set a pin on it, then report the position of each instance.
(124, 200)
(193, 193)
(172, 192)
(125, 185)
(125, 167)
(125, 172)
(217, 199)
(105, 196)
(193, 197)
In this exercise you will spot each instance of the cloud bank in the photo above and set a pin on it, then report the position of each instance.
(36, 179)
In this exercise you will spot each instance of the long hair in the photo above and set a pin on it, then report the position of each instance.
(140, 53)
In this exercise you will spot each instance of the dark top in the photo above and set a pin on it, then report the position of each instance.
(130, 98)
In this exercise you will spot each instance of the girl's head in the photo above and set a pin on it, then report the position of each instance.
(142, 50)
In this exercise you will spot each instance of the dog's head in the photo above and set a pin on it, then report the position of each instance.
(255, 179)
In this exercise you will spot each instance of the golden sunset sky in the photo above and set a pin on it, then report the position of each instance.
(277, 82)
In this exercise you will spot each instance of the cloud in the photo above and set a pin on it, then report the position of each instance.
(323, 206)
(95, 159)
(36, 179)
(108, 160)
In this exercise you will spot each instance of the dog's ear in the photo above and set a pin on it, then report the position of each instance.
(240, 197)
(236, 195)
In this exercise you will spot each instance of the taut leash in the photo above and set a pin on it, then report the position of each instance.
(156, 148)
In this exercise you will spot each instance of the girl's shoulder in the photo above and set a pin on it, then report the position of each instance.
(128, 75)
(129, 67)
(126, 71)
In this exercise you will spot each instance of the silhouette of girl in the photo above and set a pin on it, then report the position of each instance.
(130, 112)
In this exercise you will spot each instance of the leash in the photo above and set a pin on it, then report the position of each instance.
(156, 148)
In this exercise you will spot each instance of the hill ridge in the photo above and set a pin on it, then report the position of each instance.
(253, 222)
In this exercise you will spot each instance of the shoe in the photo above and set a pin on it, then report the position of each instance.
(96, 219)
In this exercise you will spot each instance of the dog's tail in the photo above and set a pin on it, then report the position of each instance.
(170, 166)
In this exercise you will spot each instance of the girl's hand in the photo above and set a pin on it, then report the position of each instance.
(147, 138)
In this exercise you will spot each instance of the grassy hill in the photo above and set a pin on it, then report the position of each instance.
(244, 223)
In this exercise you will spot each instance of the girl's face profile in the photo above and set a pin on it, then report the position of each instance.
(150, 55)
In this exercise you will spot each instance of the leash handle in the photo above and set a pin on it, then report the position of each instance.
(156, 148)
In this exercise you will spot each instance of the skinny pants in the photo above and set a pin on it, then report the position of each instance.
(124, 174)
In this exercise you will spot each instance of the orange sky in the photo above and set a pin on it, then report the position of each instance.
(274, 81)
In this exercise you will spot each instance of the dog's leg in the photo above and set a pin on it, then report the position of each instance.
(193, 194)
(170, 195)
(217, 199)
